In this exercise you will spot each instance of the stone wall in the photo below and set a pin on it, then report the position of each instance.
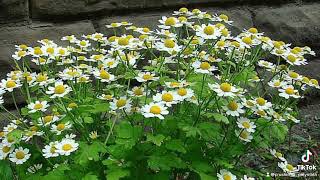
(26, 21)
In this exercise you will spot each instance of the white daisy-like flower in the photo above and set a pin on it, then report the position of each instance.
(224, 89)
(107, 97)
(10, 127)
(263, 104)
(208, 32)
(184, 93)
(294, 59)
(9, 84)
(233, 108)
(154, 110)
(293, 76)
(245, 177)
(137, 91)
(244, 135)
(19, 54)
(177, 84)
(50, 150)
(59, 128)
(223, 18)
(71, 38)
(276, 83)
(93, 135)
(42, 79)
(226, 175)
(5, 150)
(121, 103)
(97, 37)
(168, 45)
(38, 106)
(34, 168)
(168, 22)
(246, 124)
(203, 67)
(103, 75)
(59, 90)
(266, 64)
(70, 73)
(291, 118)
(277, 154)
(146, 76)
(67, 146)
(167, 97)
(19, 155)
(287, 168)
(83, 43)
(314, 83)
(47, 120)
(111, 63)
(289, 91)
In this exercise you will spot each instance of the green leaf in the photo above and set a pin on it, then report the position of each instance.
(204, 176)
(15, 135)
(89, 152)
(279, 131)
(209, 131)
(189, 130)
(88, 120)
(157, 140)
(165, 162)
(58, 173)
(90, 176)
(175, 145)
(5, 172)
(220, 118)
(116, 174)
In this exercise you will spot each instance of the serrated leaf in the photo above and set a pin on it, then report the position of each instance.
(157, 140)
(89, 152)
(175, 145)
(5, 172)
(90, 176)
(116, 174)
(209, 131)
(220, 118)
(88, 120)
(15, 135)
(165, 162)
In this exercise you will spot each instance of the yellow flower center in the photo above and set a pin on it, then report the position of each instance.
(5, 149)
(277, 44)
(244, 134)
(34, 128)
(314, 82)
(47, 119)
(41, 78)
(261, 101)
(72, 105)
(167, 97)
(224, 17)
(146, 30)
(253, 30)
(112, 38)
(277, 83)
(249, 103)
(182, 91)
(60, 89)
(233, 106)
(225, 32)
(290, 167)
(37, 51)
(291, 58)
(147, 77)
(246, 124)
(278, 154)
(123, 41)
(169, 43)
(183, 10)
(20, 155)
(67, 147)
(289, 91)
(247, 40)
(61, 127)
(22, 53)
(23, 46)
(11, 84)
(155, 109)
(50, 50)
(225, 87)
(261, 112)
(108, 97)
(220, 43)
(83, 43)
(143, 37)
(104, 74)
(121, 102)
(235, 43)
(205, 65)
(226, 177)
(138, 92)
(305, 79)
(38, 106)
(293, 75)
(208, 30)
(170, 21)
(53, 150)
(182, 19)
(29, 78)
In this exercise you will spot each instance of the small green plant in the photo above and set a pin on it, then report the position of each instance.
(187, 101)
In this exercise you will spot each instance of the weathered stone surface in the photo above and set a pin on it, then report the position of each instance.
(299, 25)
(30, 34)
(12, 11)
(240, 16)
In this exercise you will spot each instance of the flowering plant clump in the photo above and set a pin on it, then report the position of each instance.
(187, 101)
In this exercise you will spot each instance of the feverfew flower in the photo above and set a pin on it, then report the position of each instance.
(246, 124)
(244, 135)
(103, 75)
(277, 154)
(19, 155)
(59, 90)
(224, 89)
(38, 106)
(5, 150)
(289, 91)
(208, 32)
(233, 108)
(226, 175)
(154, 110)
(203, 67)
(59, 128)
(50, 150)
(262, 104)
(286, 167)
(167, 97)
(146, 76)
(121, 103)
(9, 84)
(67, 146)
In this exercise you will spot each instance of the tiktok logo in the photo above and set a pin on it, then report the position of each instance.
(306, 157)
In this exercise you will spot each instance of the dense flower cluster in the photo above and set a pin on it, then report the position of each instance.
(192, 65)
